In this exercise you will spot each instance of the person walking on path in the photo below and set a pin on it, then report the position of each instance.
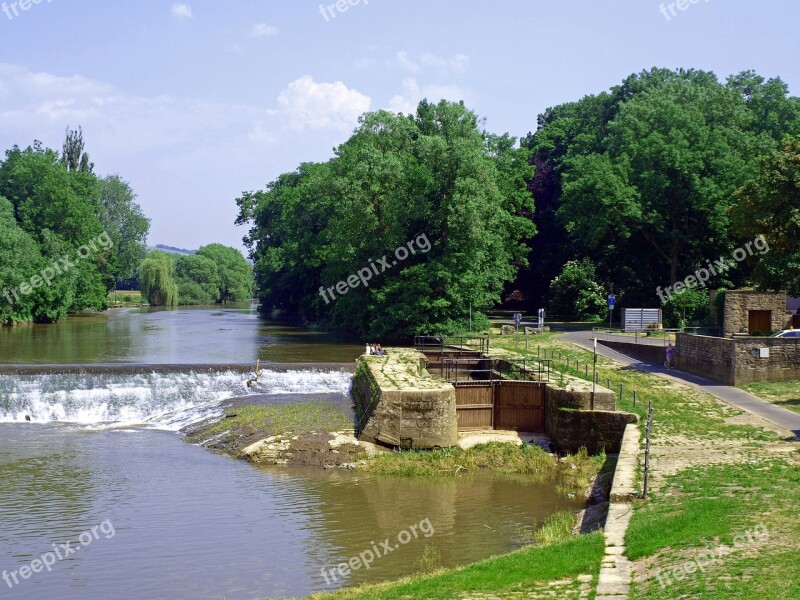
(670, 356)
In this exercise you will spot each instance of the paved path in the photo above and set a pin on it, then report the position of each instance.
(731, 395)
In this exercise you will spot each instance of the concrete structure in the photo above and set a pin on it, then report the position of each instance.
(750, 312)
(398, 403)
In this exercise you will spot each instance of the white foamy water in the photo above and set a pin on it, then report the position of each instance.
(160, 400)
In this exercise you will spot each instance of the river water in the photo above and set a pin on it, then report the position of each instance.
(101, 485)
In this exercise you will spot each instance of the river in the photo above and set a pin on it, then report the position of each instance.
(101, 485)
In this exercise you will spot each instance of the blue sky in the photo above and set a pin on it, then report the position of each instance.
(193, 102)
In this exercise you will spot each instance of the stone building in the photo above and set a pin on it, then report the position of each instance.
(750, 312)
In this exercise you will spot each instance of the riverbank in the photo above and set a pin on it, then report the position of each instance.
(720, 522)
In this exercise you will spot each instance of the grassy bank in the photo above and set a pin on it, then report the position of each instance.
(782, 393)
(125, 298)
(572, 475)
(245, 425)
(532, 568)
(717, 474)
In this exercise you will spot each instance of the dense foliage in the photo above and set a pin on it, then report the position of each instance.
(642, 179)
(433, 182)
(216, 274)
(575, 293)
(66, 236)
(770, 207)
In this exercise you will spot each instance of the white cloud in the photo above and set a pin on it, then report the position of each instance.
(413, 93)
(321, 105)
(456, 64)
(405, 62)
(182, 11)
(263, 30)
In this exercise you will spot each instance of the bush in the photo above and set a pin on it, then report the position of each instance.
(690, 308)
(575, 294)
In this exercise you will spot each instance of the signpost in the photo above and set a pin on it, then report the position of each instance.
(594, 371)
(541, 319)
(517, 320)
(612, 300)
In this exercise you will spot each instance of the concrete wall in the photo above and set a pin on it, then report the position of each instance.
(738, 303)
(408, 417)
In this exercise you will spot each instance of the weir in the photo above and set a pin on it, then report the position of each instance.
(160, 396)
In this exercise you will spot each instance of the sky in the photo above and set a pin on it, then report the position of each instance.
(195, 102)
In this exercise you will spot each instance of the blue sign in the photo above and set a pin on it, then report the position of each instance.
(517, 319)
(612, 300)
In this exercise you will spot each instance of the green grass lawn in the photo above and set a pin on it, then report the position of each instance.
(782, 393)
(125, 298)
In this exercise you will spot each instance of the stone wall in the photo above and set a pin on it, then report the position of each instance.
(783, 363)
(594, 430)
(709, 357)
(738, 303)
(731, 361)
(400, 404)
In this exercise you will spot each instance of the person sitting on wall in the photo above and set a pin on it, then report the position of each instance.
(381, 351)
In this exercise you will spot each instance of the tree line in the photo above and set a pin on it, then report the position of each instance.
(215, 274)
(622, 191)
(68, 236)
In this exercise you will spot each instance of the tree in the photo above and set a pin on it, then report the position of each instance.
(126, 225)
(641, 177)
(235, 275)
(73, 155)
(770, 207)
(575, 293)
(20, 259)
(156, 279)
(689, 307)
(433, 177)
(198, 280)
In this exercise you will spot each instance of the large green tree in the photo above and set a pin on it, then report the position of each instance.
(434, 180)
(234, 273)
(770, 207)
(198, 280)
(126, 225)
(642, 177)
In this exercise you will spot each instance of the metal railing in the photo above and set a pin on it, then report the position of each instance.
(452, 344)
(524, 369)
(457, 370)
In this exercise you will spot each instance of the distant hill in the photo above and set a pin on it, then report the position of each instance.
(171, 250)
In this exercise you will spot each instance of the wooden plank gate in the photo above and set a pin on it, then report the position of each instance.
(500, 404)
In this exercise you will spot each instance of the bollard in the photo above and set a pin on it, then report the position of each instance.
(587, 371)
(634, 398)
(621, 391)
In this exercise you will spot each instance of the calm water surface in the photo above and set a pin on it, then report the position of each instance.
(234, 334)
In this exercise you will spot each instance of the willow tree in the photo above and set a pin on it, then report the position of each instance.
(156, 279)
